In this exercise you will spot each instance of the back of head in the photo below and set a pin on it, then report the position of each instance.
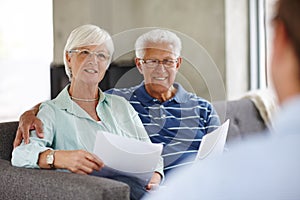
(288, 11)
(87, 35)
(157, 36)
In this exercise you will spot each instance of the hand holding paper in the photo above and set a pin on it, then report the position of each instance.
(126, 156)
(213, 143)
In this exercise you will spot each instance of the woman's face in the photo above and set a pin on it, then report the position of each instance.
(88, 64)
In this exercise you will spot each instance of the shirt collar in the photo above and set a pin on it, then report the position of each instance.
(181, 96)
(64, 102)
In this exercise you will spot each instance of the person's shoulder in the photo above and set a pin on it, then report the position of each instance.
(190, 96)
(123, 92)
(60, 102)
(200, 100)
(116, 98)
(118, 103)
(47, 110)
(48, 103)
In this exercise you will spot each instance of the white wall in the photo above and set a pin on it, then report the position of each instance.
(25, 55)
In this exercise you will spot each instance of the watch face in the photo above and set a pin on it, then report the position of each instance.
(50, 159)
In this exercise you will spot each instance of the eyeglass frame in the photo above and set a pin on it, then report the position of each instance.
(158, 62)
(79, 51)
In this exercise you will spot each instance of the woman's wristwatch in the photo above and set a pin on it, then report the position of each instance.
(50, 159)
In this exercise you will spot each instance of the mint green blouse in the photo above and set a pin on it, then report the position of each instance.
(68, 127)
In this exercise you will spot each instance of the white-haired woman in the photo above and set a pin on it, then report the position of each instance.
(72, 119)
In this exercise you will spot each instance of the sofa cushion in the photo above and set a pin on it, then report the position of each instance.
(22, 183)
(245, 120)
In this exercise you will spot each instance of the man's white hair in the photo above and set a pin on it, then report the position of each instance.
(157, 36)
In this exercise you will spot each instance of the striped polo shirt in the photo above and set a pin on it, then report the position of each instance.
(178, 123)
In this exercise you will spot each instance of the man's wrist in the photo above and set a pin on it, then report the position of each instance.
(160, 176)
(35, 109)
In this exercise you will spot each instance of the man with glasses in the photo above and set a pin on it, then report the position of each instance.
(170, 114)
(263, 167)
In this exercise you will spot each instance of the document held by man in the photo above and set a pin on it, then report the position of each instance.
(126, 156)
(213, 143)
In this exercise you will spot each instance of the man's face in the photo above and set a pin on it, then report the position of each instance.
(158, 78)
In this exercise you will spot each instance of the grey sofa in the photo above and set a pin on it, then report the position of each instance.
(21, 183)
(245, 119)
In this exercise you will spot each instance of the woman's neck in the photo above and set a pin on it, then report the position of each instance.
(87, 98)
(81, 92)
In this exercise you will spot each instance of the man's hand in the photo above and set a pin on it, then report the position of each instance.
(154, 182)
(28, 121)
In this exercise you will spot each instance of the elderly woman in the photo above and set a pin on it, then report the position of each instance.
(72, 119)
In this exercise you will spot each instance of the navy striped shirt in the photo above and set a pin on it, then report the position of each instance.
(178, 123)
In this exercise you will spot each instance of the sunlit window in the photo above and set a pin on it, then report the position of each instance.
(26, 51)
(257, 16)
(261, 14)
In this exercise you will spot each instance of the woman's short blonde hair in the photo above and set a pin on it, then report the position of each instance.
(87, 35)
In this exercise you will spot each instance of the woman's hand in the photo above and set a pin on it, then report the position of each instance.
(154, 182)
(76, 161)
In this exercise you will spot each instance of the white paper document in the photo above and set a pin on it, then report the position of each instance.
(126, 156)
(213, 143)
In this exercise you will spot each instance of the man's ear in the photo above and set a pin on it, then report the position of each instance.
(138, 65)
(179, 61)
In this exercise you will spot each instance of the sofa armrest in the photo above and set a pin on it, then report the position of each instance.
(22, 183)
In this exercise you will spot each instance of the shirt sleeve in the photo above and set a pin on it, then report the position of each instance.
(27, 155)
(213, 120)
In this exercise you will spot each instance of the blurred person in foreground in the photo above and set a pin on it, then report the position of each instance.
(260, 168)
(72, 119)
(169, 113)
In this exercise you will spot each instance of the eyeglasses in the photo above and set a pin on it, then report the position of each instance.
(84, 53)
(152, 63)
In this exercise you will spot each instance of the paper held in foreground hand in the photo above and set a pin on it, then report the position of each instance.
(213, 143)
(126, 156)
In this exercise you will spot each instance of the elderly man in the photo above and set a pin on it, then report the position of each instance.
(263, 168)
(170, 114)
